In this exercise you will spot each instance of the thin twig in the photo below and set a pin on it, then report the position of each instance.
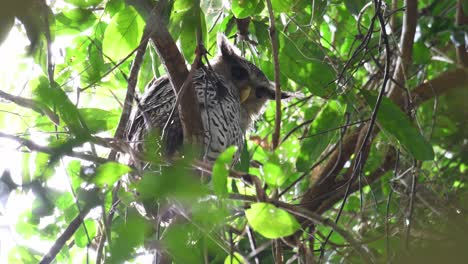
(33, 105)
(132, 82)
(360, 159)
(35, 147)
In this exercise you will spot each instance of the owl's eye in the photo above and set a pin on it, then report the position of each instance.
(239, 73)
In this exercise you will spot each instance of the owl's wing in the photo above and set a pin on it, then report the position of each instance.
(152, 113)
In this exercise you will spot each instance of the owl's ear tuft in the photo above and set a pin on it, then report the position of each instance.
(226, 49)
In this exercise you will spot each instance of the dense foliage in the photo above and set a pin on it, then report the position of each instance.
(372, 156)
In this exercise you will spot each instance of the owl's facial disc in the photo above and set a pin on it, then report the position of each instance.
(245, 93)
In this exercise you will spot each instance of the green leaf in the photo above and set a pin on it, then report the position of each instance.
(244, 8)
(398, 124)
(282, 5)
(20, 254)
(43, 168)
(421, 54)
(99, 120)
(235, 258)
(55, 97)
(129, 235)
(146, 73)
(174, 181)
(114, 6)
(221, 171)
(108, 173)
(244, 163)
(82, 234)
(183, 252)
(187, 37)
(123, 33)
(74, 21)
(355, 6)
(94, 72)
(318, 138)
(465, 5)
(317, 76)
(270, 221)
(273, 174)
(183, 5)
(305, 66)
(84, 3)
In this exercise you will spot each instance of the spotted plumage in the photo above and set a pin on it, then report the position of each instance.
(231, 94)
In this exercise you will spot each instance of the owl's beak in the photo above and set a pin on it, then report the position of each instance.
(270, 92)
(245, 93)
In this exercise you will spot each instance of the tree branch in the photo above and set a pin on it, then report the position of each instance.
(445, 82)
(274, 46)
(461, 20)
(131, 84)
(410, 20)
(174, 64)
(33, 105)
(35, 147)
(65, 236)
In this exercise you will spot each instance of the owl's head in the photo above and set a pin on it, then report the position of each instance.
(254, 87)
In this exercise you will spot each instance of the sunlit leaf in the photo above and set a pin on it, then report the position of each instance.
(183, 5)
(55, 97)
(273, 174)
(20, 254)
(99, 120)
(235, 258)
(282, 5)
(123, 33)
(74, 21)
(85, 233)
(270, 221)
(84, 3)
(244, 8)
(108, 173)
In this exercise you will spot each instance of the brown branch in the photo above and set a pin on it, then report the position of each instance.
(35, 147)
(338, 194)
(358, 143)
(174, 64)
(314, 196)
(445, 82)
(65, 236)
(393, 23)
(274, 46)
(323, 193)
(410, 20)
(131, 84)
(33, 105)
(461, 20)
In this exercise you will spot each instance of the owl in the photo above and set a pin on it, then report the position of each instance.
(231, 94)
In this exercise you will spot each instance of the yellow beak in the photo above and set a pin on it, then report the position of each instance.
(245, 93)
